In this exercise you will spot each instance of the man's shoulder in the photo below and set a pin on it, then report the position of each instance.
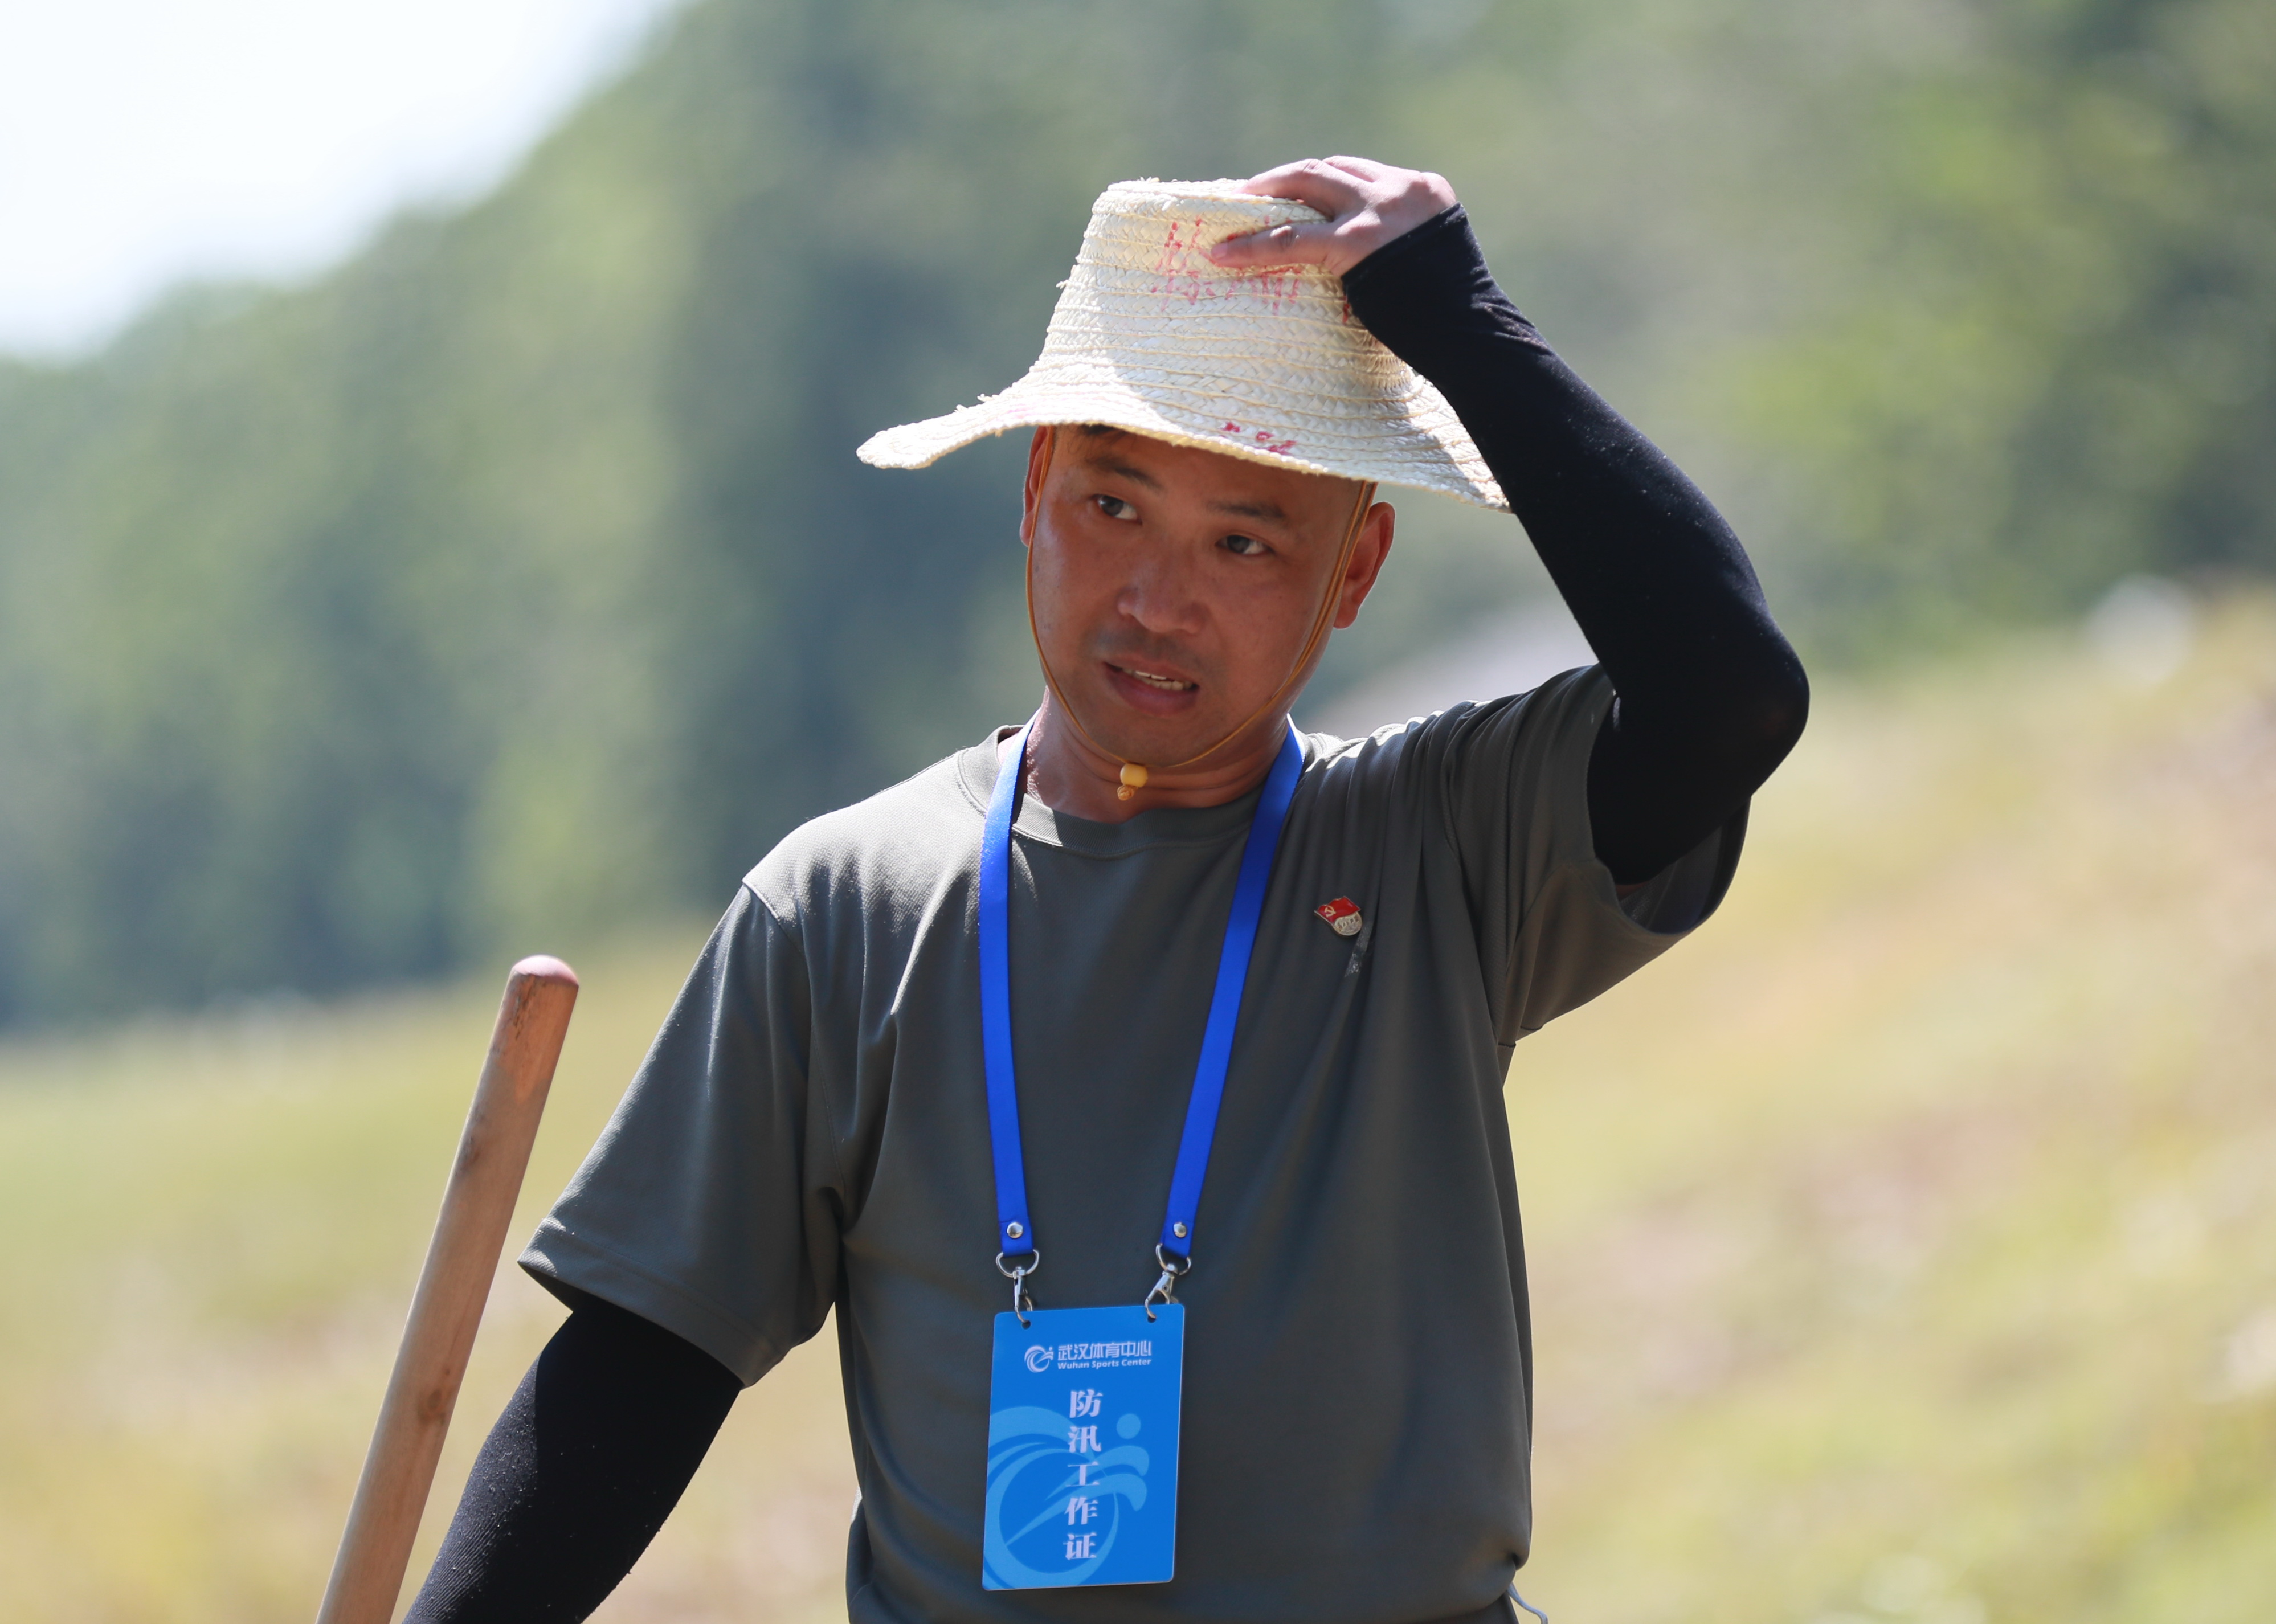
(902, 842)
(1377, 760)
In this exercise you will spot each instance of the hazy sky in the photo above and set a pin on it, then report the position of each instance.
(143, 142)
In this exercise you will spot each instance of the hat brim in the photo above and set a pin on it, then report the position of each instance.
(1419, 459)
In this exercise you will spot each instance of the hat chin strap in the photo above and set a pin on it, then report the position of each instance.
(1134, 774)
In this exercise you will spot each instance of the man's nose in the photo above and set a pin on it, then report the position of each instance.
(1160, 593)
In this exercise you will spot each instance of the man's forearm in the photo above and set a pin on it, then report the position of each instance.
(589, 1457)
(1710, 695)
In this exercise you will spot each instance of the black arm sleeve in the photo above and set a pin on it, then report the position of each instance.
(591, 1455)
(1711, 695)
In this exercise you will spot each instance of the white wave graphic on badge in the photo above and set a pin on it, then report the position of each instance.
(1039, 1529)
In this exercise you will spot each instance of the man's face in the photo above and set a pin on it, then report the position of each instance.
(1175, 587)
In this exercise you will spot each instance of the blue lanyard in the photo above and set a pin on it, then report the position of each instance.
(1015, 1232)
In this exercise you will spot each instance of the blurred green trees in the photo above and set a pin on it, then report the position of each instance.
(519, 580)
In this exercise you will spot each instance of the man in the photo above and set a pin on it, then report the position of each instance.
(829, 1116)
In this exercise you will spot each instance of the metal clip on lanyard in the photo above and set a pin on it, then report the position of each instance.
(1015, 1232)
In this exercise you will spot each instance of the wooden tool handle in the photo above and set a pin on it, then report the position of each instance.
(447, 1309)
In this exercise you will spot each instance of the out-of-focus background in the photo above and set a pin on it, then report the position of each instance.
(429, 532)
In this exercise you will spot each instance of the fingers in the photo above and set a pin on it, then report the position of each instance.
(1367, 204)
(1332, 186)
(1319, 182)
(1312, 179)
(1309, 242)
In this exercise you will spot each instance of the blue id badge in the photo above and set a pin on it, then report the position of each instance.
(1083, 1448)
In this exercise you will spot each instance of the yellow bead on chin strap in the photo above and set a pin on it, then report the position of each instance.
(1134, 774)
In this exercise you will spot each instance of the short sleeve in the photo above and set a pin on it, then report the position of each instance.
(1552, 931)
(710, 1203)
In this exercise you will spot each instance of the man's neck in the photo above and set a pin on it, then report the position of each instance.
(1069, 775)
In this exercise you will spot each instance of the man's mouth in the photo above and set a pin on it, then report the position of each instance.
(1155, 679)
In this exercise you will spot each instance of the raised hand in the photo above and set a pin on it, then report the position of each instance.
(1367, 203)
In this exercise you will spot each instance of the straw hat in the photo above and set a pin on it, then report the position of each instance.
(1152, 336)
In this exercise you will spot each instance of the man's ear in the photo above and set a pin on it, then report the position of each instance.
(1039, 464)
(1368, 554)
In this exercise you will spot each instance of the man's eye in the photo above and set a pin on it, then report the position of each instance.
(1115, 507)
(1245, 546)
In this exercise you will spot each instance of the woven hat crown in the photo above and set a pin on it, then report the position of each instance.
(1152, 336)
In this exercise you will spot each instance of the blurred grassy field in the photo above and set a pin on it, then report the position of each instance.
(1905, 1248)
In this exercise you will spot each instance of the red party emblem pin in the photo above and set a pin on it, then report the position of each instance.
(1342, 916)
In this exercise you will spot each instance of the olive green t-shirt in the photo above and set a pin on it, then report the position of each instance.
(810, 1131)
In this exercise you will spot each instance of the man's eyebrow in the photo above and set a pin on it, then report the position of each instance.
(1256, 507)
(1130, 471)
